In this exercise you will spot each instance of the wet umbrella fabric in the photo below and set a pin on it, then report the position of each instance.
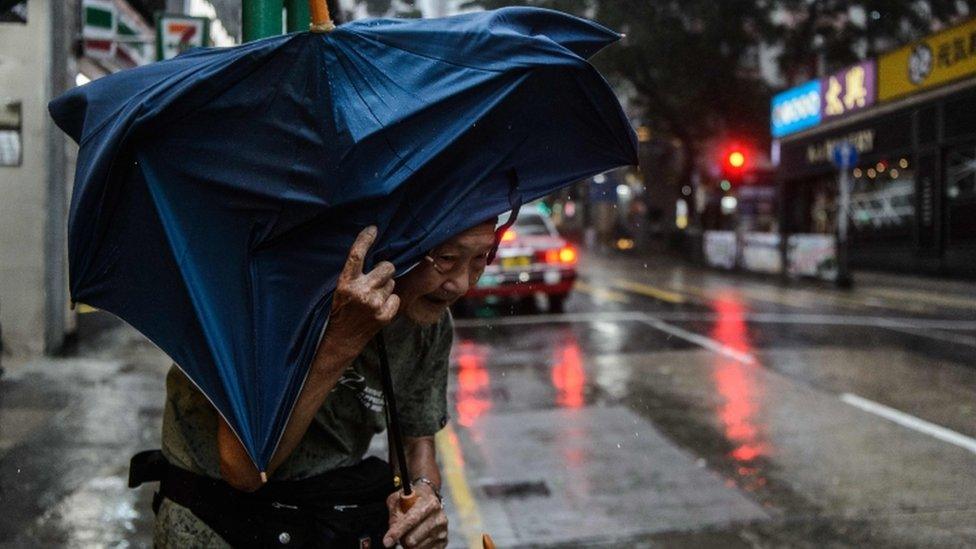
(216, 194)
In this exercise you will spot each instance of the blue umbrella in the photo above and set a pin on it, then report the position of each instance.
(217, 193)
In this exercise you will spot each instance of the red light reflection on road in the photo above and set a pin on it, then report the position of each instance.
(568, 375)
(736, 382)
(473, 395)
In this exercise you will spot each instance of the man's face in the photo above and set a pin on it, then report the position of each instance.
(432, 286)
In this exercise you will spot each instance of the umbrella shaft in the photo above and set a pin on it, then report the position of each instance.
(393, 419)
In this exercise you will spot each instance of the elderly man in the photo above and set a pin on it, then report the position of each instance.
(321, 491)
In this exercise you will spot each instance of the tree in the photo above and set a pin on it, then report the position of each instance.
(692, 64)
(819, 36)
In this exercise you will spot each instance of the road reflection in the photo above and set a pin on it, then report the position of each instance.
(474, 383)
(568, 375)
(737, 384)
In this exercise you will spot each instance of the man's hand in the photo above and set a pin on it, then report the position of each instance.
(362, 303)
(424, 526)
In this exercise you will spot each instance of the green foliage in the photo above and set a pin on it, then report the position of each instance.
(836, 33)
(692, 64)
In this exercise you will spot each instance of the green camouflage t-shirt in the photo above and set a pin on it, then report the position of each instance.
(343, 427)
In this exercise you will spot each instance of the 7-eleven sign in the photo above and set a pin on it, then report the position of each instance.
(178, 33)
(99, 21)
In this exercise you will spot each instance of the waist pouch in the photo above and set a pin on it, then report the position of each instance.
(341, 508)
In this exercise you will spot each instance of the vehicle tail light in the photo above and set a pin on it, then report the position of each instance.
(567, 255)
(558, 256)
(508, 235)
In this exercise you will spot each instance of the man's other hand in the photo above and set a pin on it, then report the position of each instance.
(424, 526)
(362, 303)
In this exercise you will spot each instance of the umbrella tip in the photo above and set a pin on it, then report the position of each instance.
(264, 477)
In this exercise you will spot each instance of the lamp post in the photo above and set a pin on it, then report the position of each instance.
(260, 19)
(297, 15)
(263, 18)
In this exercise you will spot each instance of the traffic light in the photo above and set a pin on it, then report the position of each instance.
(736, 159)
(734, 162)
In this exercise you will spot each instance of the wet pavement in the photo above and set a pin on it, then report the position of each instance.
(669, 406)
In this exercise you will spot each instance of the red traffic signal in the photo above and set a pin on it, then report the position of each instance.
(736, 159)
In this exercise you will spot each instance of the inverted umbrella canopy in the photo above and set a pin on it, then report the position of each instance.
(217, 193)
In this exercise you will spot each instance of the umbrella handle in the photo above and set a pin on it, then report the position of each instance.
(321, 20)
(407, 501)
(487, 542)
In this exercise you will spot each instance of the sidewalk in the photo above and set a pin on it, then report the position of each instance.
(69, 427)
(666, 274)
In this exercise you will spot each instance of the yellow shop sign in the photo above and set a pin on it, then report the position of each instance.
(930, 62)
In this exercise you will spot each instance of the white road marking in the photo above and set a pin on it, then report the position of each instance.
(701, 341)
(604, 316)
(891, 414)
(758, 318)
(613, 316)
(910, 421)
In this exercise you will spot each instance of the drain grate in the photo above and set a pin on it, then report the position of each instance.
(500, 490)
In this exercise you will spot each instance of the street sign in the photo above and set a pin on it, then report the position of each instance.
(844, 155)
(177, 33)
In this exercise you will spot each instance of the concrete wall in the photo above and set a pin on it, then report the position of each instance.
(33, 298)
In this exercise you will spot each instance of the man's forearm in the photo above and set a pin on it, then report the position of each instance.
(322, 378)
(422, 459)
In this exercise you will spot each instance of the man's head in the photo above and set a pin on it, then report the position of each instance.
(446, 274)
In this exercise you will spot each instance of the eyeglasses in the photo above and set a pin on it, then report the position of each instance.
(448, 263)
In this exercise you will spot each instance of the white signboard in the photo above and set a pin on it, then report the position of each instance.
(813, 255)
(760, 253)
(720, 249)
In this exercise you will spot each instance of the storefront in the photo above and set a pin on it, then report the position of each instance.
(913, 188)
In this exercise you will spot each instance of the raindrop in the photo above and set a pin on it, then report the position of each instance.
(636, 435)
(618, 445)
(645, 265)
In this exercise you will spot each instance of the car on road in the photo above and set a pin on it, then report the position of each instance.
(532, 259)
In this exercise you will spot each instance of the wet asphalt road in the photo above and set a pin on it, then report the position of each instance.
(669, 406)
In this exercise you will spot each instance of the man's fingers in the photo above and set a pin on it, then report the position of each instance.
(409, 520)
(388, 288)
(390, 307)
(381, 274)
(357, 253)
(430, 533)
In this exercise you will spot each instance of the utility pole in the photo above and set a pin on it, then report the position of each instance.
(298, 15)
(261, 18)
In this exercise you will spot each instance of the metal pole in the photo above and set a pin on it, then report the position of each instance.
(298, 15)
(843, 255)
(260, 19)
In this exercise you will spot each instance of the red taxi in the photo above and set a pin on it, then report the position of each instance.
(532, 259)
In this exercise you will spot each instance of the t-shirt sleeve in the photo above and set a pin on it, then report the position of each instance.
(424, 408)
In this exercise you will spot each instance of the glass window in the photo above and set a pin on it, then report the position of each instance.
(10, 138)
(961, 174)
(16, 13)
(531, 225)
(883, 196)
(960, 193)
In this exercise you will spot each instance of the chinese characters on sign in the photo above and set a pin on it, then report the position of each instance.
(848, 90)
(829, 98)
(936, 60)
